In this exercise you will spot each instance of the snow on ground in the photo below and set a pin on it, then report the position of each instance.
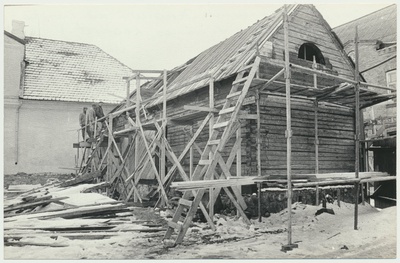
(322, 236)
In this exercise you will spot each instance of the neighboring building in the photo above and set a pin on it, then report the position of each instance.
(377, 61)
(46, 85)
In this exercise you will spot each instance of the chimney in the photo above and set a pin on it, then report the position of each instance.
(18, 29)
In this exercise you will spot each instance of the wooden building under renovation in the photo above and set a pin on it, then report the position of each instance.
(279, 100)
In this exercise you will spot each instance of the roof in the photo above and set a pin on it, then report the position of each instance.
(379, 25)
(228, 57)
(14, 37)
(70, 71)
(225, 58)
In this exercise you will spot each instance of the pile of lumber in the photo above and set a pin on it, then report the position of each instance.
(71, 210)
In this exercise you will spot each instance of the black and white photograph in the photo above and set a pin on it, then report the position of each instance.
(199, 130)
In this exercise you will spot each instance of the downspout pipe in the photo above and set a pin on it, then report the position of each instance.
(17, 132)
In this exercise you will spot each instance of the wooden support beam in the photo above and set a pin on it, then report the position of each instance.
(237, 205)
(271, 80)
(258, 136)
(234, 152)
(122, 159)
(170, 154)
(142, 157)
(164, 128)
(187, 147)
(103, 159)
(227, 174)
(119, 112)
(163, 193)
(210, 131)
(340, 88)
(128, 93)
(316, 136)
(259, 201)
(109, 150)
(357, 131)
(191, 157)
(238, 145)
(288, 127)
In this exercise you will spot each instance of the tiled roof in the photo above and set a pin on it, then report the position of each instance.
(379, 25)
(224, 59)
(70, 71)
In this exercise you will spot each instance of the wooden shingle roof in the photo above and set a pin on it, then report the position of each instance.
(225, 58)
(70, 71)
(379, 25)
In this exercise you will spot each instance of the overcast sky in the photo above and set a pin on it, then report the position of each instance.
(157, 36)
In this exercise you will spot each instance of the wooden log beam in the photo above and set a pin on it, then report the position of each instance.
(198, 108)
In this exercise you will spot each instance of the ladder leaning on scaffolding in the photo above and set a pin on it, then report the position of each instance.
(225, 126)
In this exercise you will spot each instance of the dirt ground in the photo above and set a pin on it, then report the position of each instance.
(324, 236)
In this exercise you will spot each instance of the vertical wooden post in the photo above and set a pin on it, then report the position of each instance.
(317, 195)
(78, 150)
(258, 141)
(191, 167)
(258, 133)
(239, 153)
(109, 157)
(128, 92)
(316, 137)
(95, 129)
(288, 132)
(259, 201)
(137, 138)
(316, 121)
(239, 158)
(366, 159)
(210, 130)
(339, 196)
(164, 127)
(357, 135)
(362, 194)
(137, 156)
(127, 103)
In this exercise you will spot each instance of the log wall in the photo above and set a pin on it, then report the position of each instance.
(335, 131)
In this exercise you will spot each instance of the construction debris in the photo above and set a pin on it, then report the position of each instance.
(70, 210)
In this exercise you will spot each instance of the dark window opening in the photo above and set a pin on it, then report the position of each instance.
(307, 51)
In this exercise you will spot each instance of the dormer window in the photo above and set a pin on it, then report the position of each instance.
(308, 50)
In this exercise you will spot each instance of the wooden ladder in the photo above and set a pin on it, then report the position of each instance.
(223, 129)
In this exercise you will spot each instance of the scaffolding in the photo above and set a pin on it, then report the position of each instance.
(159, 159)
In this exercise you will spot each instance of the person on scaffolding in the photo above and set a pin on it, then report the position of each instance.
(90, 121)
(82, 122)
(98, 109)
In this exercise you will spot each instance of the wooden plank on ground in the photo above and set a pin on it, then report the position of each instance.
(22, 243)
(81, 179)
(33, 204)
